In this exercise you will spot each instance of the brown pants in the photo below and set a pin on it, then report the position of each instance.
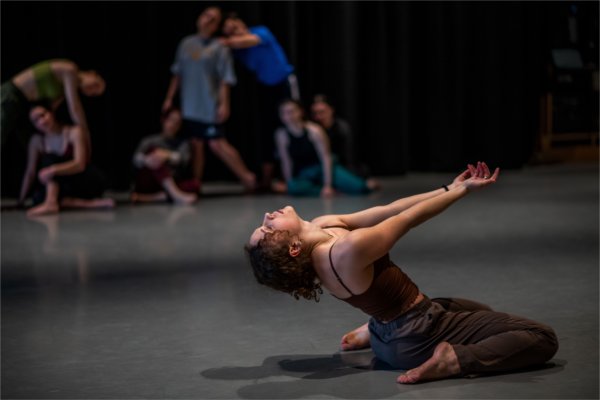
(484, 340)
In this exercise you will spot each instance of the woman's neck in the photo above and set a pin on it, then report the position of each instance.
(295, 127)
(328, 123)
(55, 130)
(312, 236)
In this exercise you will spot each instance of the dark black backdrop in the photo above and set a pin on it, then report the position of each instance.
(426, 85)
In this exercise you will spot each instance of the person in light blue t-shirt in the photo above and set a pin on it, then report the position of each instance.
(259, 51)
(203, 73)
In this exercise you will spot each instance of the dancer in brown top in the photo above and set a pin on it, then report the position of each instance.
(348, 256)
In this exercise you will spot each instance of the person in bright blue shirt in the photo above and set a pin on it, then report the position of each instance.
(259, 51)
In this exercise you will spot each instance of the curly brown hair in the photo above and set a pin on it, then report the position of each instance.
(273, 266)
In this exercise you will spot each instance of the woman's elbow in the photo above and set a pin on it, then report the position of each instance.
(78, 167)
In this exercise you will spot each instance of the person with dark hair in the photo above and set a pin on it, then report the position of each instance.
(338, 130)
(53, 81)
(59, 169)
(161, 164)
(203, 73)
(258, 50)
(306, 162)
(348, 255)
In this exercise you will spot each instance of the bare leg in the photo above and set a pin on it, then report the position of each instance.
(232, 159)
(373, 184)
(279, 187)
(148, 197)
(267, 175)
(73, 202)
(442, 364)
(50, 204)
(197, 159)
(357, 339)
(177, 194)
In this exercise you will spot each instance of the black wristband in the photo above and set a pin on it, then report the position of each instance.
(446, 188)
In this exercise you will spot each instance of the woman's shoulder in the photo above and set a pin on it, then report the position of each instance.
(315, 131)
(312, 126)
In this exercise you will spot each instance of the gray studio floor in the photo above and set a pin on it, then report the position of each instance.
(158, 301)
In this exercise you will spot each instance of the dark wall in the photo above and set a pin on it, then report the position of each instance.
(426, 85)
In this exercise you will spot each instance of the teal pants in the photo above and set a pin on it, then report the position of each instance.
(309, 181)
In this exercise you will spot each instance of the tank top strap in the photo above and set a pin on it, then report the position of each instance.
(335, 272)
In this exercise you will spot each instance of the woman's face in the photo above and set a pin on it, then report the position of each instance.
(92, 84)
(285, 219)
(208, 22)
(233, 27)
(290, 113)
(172, 123)
(41, 118)
(322, 113)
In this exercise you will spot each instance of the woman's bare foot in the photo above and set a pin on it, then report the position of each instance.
(249, 181)
(103, 203)
(72, 202)
(184, 198)
(357, 339)
(279, 187)
(373, 184)
(147, 197)
(43, 209)
(442, 364)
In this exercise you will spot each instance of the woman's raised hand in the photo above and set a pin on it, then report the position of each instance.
(460, 179)
(480, 176)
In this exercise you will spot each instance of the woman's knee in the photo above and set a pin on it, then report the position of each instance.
(216, 146)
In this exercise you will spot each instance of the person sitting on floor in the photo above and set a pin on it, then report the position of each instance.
(160, 162)
(306, 162)
(58, 167)
(348, 255)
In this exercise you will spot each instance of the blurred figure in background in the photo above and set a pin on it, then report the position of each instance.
(51, 81)
(161, 162)
(340, 134)
(203, 73)
(59, 169)
(306, 162)
(258, 50)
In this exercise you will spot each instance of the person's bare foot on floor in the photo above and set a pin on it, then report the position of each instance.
(185, 198)
(373, 184)
(442, 364)
(102, 202)
(147, 198)
(357, 339)
(43, 209)
(249, 182)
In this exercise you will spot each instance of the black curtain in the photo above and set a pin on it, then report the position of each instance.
(426, 86)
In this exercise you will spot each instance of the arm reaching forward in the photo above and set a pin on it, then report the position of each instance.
(362, 246)
(374, 215)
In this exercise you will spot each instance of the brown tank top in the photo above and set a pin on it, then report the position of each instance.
(390, 294)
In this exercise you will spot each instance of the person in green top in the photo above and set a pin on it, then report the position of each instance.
(53, 81)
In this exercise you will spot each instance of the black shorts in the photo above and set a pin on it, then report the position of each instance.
(200, 130)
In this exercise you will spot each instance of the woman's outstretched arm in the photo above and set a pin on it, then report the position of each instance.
(363, 246)
(374, 215)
